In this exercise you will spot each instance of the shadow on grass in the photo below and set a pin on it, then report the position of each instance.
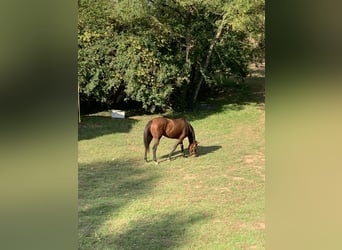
(175, 155)
(203, 150)
(93, 126)
(163, 231)
(228, 96)
(104, 188)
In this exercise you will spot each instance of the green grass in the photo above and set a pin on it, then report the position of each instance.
(213, 201)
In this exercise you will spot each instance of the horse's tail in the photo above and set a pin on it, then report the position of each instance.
(147, 136)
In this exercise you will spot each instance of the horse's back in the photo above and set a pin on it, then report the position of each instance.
(172, 128)
(159, 122)
(158, 125)
(176, 128)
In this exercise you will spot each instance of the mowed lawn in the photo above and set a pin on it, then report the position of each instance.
(213, 201)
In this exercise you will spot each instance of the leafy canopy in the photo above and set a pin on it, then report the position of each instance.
(155, 51)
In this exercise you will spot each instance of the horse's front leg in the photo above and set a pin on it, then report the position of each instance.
(182, 148)
(175, 146)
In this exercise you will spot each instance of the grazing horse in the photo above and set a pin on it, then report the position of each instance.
(171, 128)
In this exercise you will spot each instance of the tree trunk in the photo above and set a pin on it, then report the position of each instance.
(79, 107)
(210, 51)
(188, 37)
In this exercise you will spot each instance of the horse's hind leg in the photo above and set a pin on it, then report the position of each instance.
(145, 156)
(148, 141)
(156, 143)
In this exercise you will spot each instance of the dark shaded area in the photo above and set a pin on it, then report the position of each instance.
(104, 188)
(89, 105)
(94, 126)
(174, 156)
(164, 231)
(233, 95)
(203, 150)
(228, 95)
(212, 98)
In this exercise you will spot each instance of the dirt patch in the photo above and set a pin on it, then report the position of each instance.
(243, 225)
(252, 247)
(134, 148)
(255, 158)
(189, 177)
(259, 225)
(238, 178)
(256, 161)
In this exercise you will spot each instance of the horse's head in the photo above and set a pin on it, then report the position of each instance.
(193, 148)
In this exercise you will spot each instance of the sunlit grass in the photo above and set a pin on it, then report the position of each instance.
(213, 201)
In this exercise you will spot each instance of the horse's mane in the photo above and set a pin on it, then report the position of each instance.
(191, 134)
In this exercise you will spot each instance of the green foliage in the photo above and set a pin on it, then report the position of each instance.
(95, 54)
(155, 52)
(249, 17)
(148, 78)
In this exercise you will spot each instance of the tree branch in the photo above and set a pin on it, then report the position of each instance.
(210, 51)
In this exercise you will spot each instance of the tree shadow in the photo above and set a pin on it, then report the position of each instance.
(104, 188)
(95, 125)
(228, 96)
(163, 231)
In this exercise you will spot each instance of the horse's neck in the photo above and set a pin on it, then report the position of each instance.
(191, 134)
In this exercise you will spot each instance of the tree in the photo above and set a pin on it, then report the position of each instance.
(96, 38)
(161, 52)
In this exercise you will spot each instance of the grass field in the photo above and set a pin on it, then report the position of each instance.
(213, 201)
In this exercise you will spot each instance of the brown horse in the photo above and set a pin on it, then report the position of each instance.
(171, 128)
